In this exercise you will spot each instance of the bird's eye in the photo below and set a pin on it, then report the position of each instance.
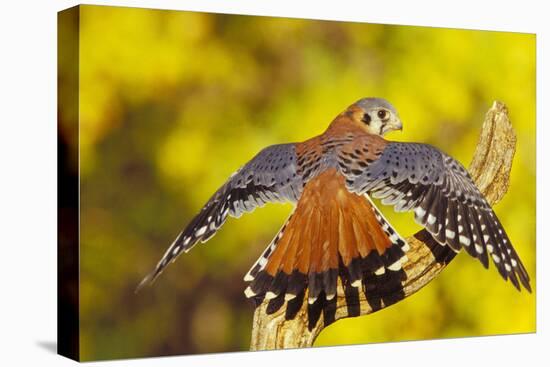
(383, 114)
(366, 118)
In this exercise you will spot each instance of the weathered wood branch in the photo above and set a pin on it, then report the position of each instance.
(273, 328)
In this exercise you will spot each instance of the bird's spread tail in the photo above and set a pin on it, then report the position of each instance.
(331, 234)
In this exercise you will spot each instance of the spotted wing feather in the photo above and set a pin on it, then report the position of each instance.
(444, 198)
(271, 176)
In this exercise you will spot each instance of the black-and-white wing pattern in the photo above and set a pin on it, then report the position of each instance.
(271, 176)
(445, 201)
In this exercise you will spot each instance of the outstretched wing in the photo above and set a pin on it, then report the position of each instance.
(444, 198)
(271, 176)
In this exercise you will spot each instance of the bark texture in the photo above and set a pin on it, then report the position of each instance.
(274, 328)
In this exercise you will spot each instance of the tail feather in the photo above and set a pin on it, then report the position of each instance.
(262, 260)
(315, 280)
(329, 234)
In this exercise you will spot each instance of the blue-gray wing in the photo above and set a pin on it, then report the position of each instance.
(271, 176)
(444, 198)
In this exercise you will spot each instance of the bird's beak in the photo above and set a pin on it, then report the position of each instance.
(393, 125)
(397, 125)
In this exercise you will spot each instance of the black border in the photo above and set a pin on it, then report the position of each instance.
(68, 288)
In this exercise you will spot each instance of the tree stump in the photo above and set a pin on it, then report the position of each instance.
(296, 325)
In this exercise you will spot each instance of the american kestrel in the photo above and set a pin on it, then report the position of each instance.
(335, 227)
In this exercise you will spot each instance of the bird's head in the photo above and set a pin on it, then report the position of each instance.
(375, 115)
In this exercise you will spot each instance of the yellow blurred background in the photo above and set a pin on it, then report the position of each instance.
(171, 103)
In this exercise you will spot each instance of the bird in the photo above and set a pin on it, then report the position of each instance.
(335, 229)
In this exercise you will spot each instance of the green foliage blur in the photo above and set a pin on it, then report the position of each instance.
(171, 103)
